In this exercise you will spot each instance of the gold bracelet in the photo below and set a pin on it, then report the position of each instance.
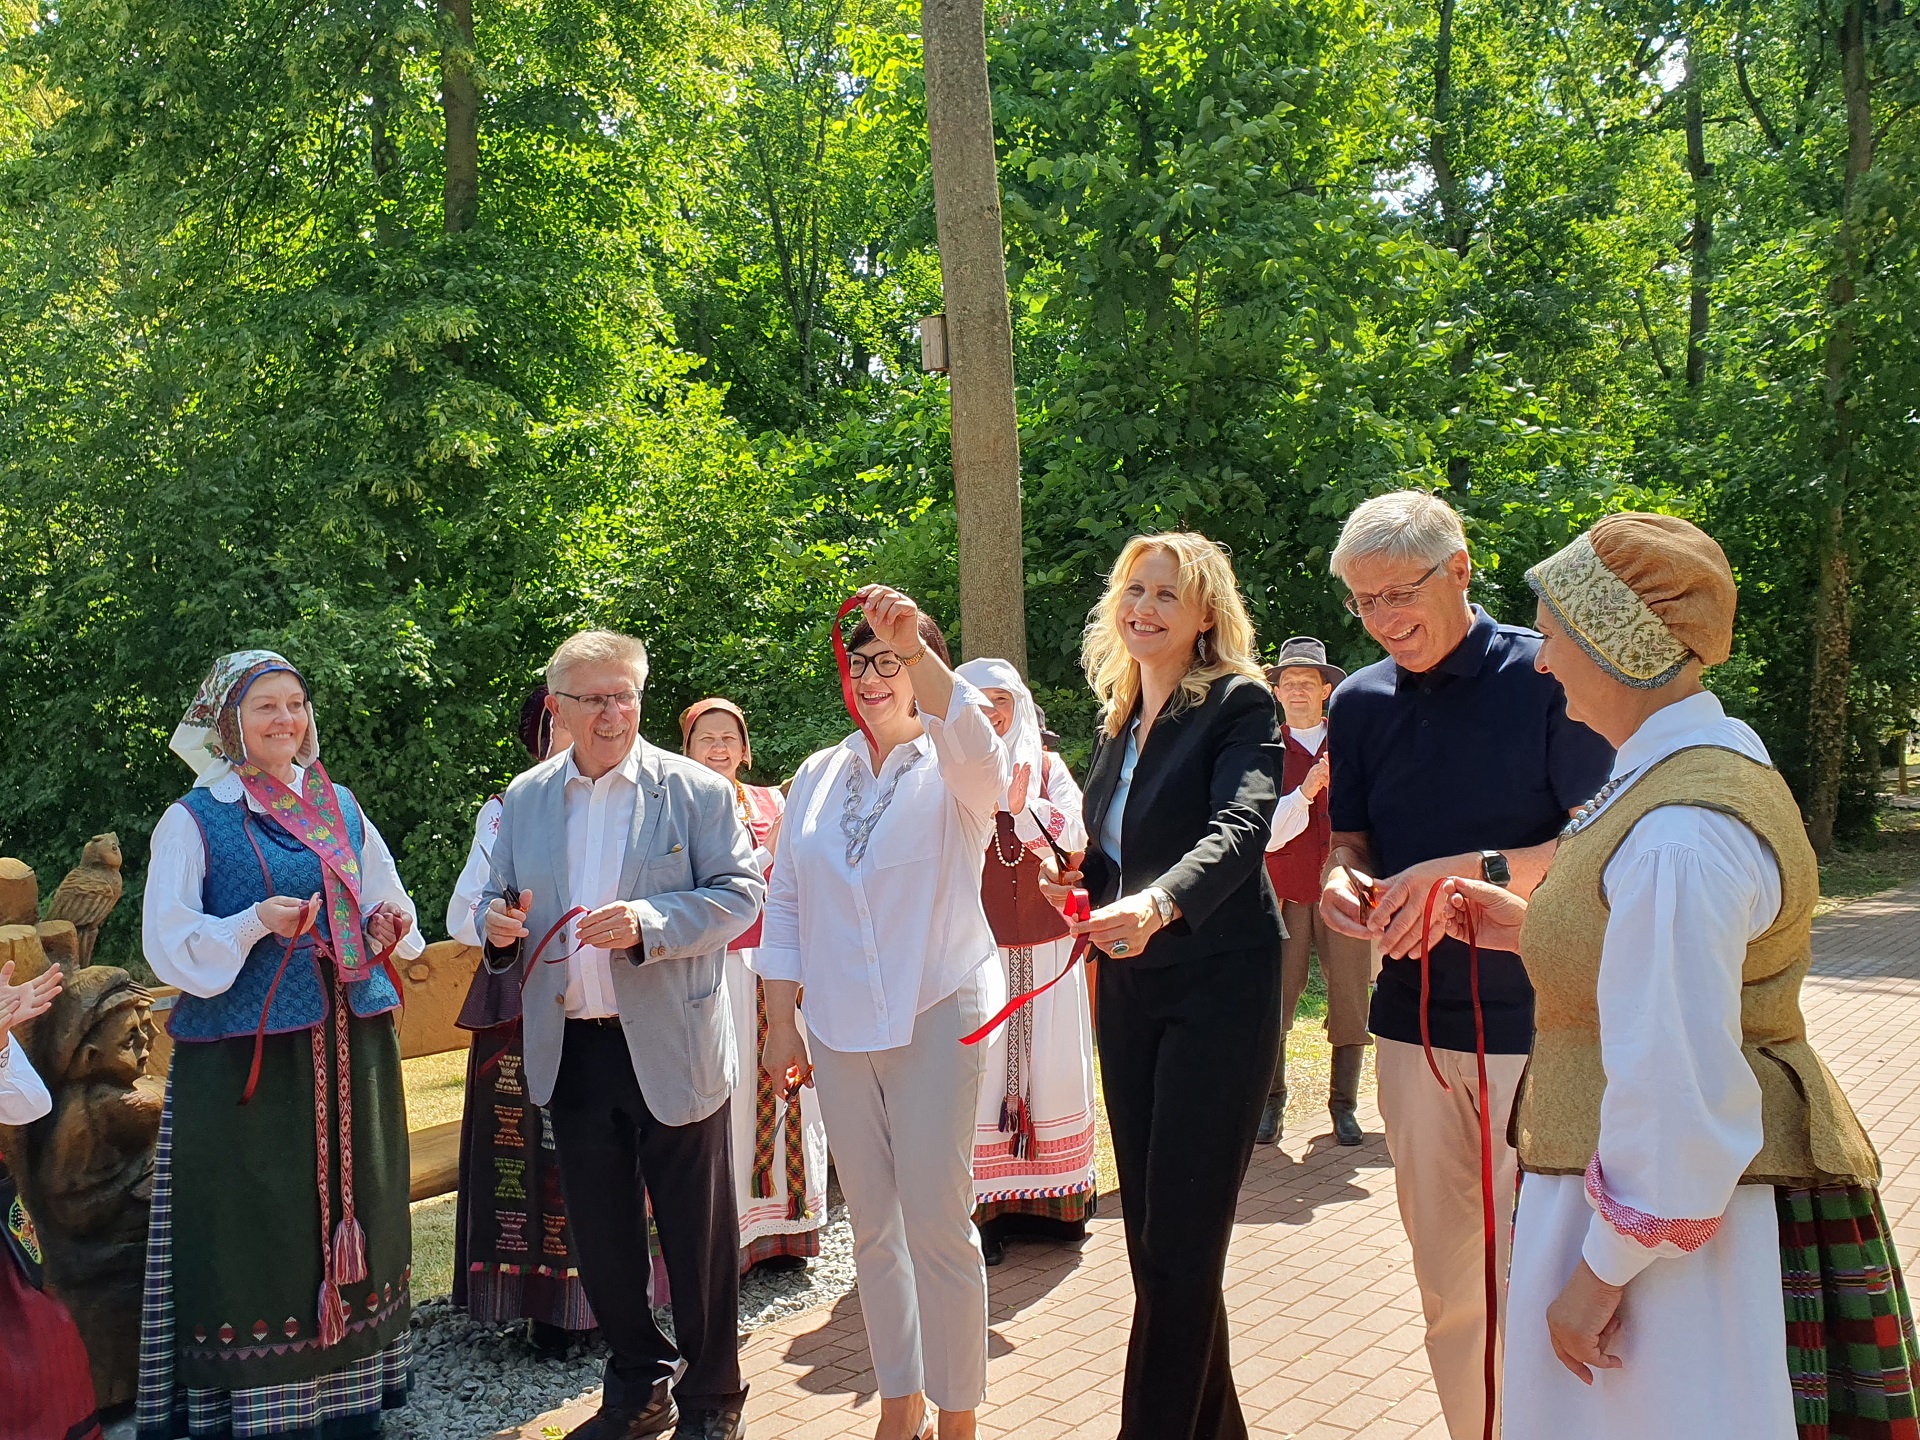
(914, 659)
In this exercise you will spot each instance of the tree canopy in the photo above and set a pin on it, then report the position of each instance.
(405, 337)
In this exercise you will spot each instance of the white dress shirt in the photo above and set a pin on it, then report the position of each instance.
(201, 953)
(23, 1094)
(1291, 814)
(599, 827)
(879, 938)
(463, 909)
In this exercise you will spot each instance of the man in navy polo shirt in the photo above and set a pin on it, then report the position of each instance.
(1453, 756)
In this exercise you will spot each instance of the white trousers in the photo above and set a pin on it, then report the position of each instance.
(1433, 1136)
(901, 1123)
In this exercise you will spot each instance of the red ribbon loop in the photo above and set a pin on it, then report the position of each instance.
(1489, 1220)
(1078, 907)
(851, 604)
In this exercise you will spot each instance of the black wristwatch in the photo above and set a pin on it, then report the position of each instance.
(1494, 868)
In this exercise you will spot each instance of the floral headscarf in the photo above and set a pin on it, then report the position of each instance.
(208, 735)
(1023, 737)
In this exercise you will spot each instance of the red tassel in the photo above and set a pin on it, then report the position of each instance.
(333, 1315)
(349, 1253)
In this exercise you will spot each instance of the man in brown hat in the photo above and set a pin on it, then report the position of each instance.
(1296, 855)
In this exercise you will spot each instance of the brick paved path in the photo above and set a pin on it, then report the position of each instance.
(1326, 1333)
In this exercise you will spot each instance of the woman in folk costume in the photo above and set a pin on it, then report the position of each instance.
(1700, 1248)
(779, 1145)
(512, 1252)
(46, 1383)
(1033, 1138)
(280, 1251)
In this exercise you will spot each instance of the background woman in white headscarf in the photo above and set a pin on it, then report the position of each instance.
(1033, 1141)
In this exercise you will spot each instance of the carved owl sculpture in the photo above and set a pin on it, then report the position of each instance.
(90, 891)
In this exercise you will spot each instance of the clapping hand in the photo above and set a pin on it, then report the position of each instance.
(1017, 789)
(1316, 778)
(21, 1003)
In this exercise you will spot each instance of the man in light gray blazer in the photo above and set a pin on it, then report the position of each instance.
(619, 876)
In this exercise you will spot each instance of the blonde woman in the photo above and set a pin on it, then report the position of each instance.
(1180, 798)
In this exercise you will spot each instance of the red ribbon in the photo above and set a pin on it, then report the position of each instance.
(309, 914)
(851, 604)
(539, 958)
(1489, 1223)
(1078, 907)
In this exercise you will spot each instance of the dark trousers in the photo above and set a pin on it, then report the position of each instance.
(613, 1156)
(1186, 1052)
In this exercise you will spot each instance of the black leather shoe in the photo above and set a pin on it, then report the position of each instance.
(657, 1417)
(993, 1248)
(1270, 1120)
(713, 1425)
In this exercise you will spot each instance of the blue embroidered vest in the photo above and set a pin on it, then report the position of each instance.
(250, 858)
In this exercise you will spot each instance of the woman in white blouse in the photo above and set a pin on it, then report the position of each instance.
(875, 909)
(280, 1250)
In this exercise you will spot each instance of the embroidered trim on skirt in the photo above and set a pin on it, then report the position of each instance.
(1851, 1353)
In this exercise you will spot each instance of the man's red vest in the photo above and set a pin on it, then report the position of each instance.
(1295, 866)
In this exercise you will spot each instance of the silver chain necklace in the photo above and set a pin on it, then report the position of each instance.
(856, 827)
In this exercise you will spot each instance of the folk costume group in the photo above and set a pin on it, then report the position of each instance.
(1498, 842)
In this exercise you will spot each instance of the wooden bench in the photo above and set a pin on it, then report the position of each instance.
(433, 987)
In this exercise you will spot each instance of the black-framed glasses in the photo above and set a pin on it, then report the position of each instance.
(1398, 598)
(886, 664)
(619, 699)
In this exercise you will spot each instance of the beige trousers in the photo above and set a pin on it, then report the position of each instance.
(1347, 965)
(900, 1123)
(1433, 1136)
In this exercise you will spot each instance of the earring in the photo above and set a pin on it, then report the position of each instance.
(1200, 648)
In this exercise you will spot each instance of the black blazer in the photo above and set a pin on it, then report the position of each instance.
(1197, 822)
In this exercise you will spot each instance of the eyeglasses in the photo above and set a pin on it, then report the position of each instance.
(619, 699)
(886, 664)
(1397, 598)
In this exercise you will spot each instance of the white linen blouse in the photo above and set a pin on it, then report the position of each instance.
(879, 933)
(201, 953)
(1680, 1120)
(463, 909)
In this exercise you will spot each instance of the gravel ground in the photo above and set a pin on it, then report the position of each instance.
(473, 1380)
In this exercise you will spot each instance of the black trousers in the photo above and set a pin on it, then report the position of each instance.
(1186, 1053)
(614, 1155)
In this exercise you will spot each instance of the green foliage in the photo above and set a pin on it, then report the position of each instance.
(254, 393)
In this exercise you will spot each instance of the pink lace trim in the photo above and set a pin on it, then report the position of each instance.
(1649, 1230)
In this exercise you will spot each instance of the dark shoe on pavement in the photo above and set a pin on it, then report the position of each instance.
(656, 1417)
(1270, 1122)
(993, 1245)
(713, 1425)
(1343, 1095)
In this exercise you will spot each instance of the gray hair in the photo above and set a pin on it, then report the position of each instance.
(598, 647)
(1406, 525)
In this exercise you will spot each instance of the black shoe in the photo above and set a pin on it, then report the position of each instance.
(656, 1417)
(1270, 1122)
(551, 1341)
(781, 1264)
(992, 1248)
(713, 1425)
(1347, 1130)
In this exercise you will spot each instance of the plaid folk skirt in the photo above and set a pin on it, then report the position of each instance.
(1851, 1352)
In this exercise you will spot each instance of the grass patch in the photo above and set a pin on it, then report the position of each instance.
(1888, 857)
(436, 1088)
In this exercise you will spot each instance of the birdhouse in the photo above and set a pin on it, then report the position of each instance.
(933, 344)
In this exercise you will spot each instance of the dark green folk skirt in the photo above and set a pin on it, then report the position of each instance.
(236, 1263)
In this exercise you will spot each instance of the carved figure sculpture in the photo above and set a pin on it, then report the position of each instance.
(87, 1168)
(90, 891)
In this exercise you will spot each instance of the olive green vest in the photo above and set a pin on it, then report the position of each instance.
(1811, 1134)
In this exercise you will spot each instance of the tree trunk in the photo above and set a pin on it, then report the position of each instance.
(460, 105)
(388, 226)
(1701, 242)
(1456, 233)
(973, 272)
(1832, 626)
